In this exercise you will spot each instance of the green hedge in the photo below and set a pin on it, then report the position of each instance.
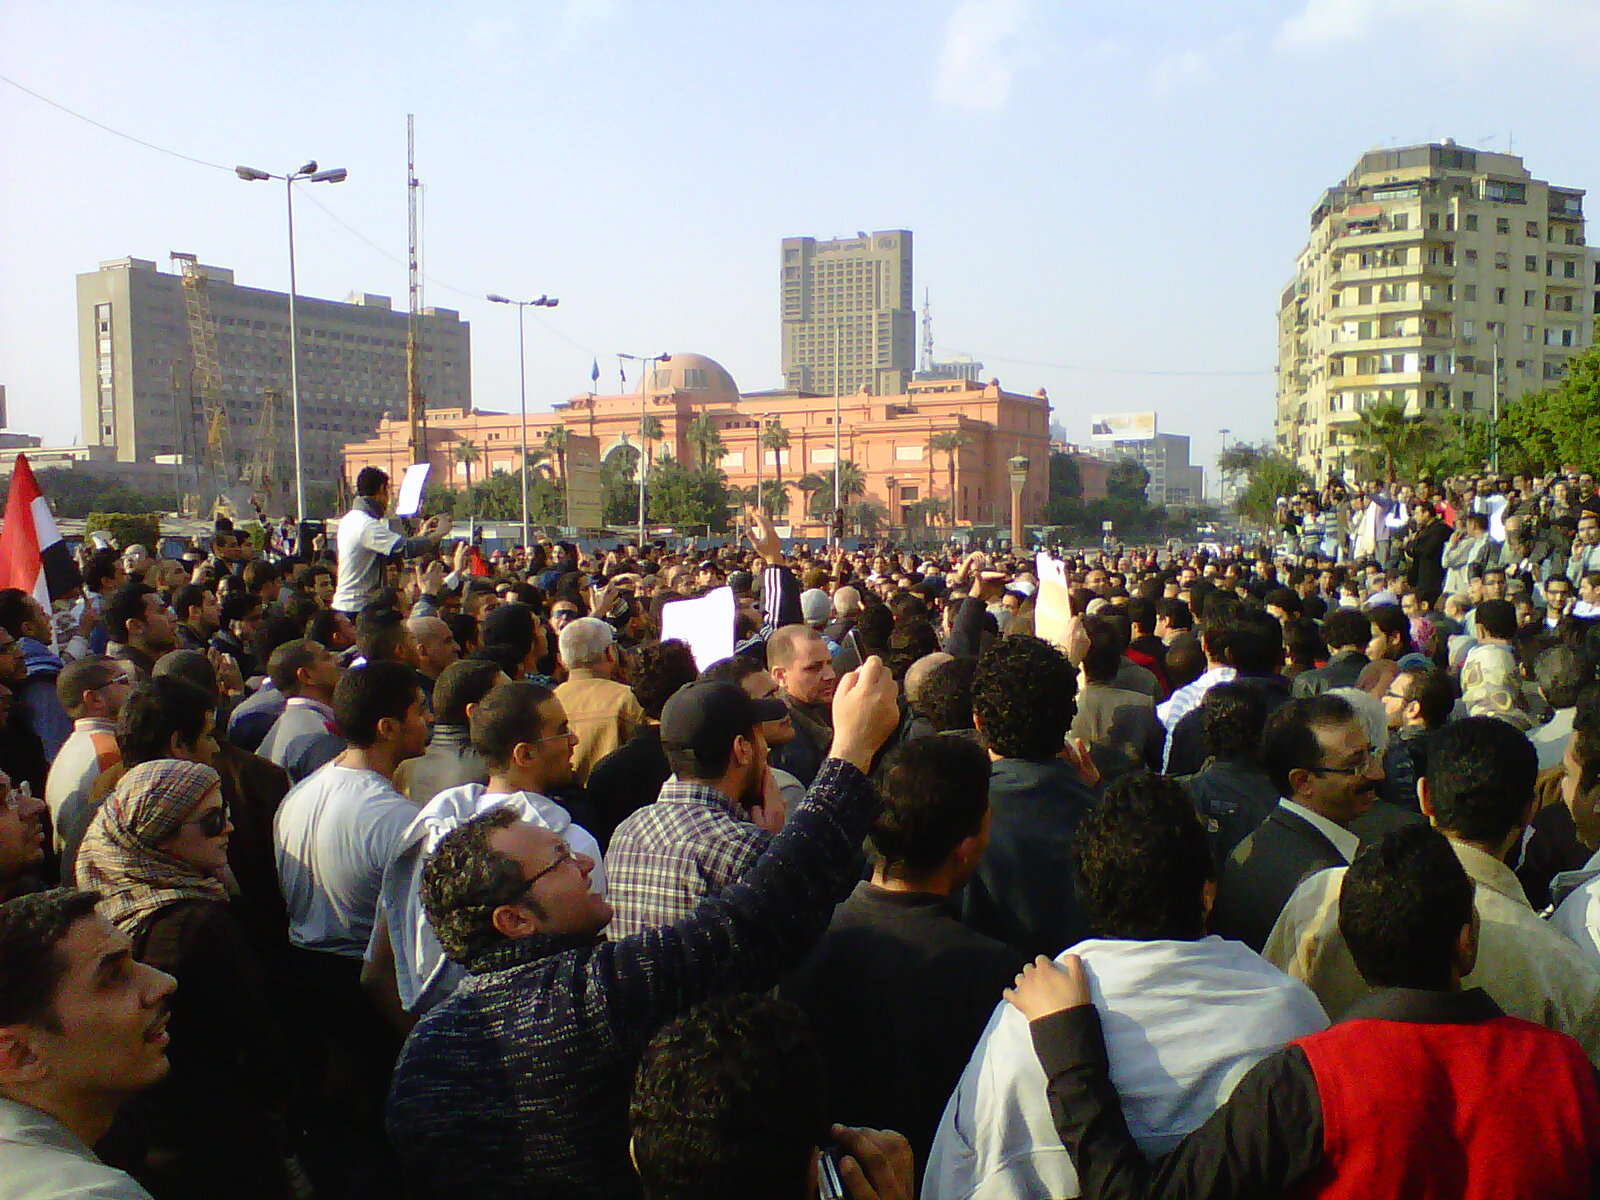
(126, 529)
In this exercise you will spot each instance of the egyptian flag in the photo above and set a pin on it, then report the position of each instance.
(32, 555)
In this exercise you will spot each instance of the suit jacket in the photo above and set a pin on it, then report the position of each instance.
(1120, 729)
(1342, 670)
(1263, 872)
(1426, 573)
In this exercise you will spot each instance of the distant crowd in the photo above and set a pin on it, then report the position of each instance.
(381, 866)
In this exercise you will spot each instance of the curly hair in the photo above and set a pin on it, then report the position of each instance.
(728, 1103)
(935, 794)
(1142, 860)
(31, 927)
(1233, 716)
(465, 880)
(658, 670)
(946, 695)
(1024, 693)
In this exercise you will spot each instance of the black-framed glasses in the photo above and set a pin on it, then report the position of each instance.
(213, 822)
(1360, 767)
(563, 857)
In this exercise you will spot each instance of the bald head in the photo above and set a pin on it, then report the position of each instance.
(846, 601)
(917, 674)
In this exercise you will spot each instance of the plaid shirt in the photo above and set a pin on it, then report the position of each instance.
(667, 857)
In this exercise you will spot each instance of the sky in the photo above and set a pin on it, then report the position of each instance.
(1106, 199)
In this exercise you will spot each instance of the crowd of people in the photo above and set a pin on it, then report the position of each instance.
(392, 868)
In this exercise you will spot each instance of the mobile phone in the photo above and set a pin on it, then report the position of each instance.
(830, 1183)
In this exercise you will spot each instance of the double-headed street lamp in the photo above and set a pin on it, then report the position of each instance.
(645, 361)
(308, 174)
(522, 375)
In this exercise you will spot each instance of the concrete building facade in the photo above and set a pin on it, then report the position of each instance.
(886, 437)
(137, 376)
(847, 315)
(1426, 266)
(1174, 481)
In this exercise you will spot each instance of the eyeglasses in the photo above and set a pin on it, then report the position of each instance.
(1360, 767)
(563, 857)
(213, 822)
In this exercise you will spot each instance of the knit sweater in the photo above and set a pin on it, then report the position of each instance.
(518, 1084)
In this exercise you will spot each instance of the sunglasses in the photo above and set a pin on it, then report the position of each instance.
(213, 822)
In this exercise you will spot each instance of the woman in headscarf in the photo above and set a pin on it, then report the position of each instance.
(157, 850)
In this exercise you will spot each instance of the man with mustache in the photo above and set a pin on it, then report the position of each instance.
(1319, 757)
(83, 1027)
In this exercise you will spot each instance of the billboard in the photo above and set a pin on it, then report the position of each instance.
(1122, 427)
(585, 503)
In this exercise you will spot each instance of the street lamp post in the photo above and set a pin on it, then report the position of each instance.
(310, 174)
(893, 486)
(522, 377)
(645, 361)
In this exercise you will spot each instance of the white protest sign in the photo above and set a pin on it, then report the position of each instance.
(706, 624)
(411, 490)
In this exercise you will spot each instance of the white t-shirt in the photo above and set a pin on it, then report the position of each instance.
(334, 834)
(364, 543)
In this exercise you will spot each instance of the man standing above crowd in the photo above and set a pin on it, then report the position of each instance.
(366, 543)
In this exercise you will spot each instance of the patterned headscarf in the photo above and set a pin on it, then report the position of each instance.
(120, 856)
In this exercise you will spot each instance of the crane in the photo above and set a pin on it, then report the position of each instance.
(216, 433)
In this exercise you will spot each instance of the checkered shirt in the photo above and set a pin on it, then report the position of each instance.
(668, 856)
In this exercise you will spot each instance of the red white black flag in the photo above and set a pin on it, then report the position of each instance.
(32, 555)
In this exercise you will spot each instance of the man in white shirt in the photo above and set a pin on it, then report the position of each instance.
(336, 832)
(83, 1028)
(366, 542)
(1186, 1015)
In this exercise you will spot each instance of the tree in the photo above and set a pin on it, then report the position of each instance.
(556, 441)
(866, 517)
(949, 444)
(852, 482)
(466, 454)
(926, 511)
(1066, 480)
(1557, 427)
(619, 485)
(774, 498)
(1269, 476)
(1390, 438)
(1128, 481)
(703, 435)
(688, 497)
(810, 484)
(650, 432)
(775, 437)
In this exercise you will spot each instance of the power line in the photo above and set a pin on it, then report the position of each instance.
(138, 141)
(1055, 366)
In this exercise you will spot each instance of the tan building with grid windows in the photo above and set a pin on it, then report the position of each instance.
(1424, 265)
(848, 320)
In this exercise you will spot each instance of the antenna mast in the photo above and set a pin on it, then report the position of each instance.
(927, 333)
(414, 407)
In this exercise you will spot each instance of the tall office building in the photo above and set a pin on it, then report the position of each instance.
(1174, 481)
(848, 322)
(138, 377)
(1427, 268)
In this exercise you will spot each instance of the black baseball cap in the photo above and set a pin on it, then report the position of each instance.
(704, 718)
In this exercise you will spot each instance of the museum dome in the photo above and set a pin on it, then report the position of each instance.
(704, 379)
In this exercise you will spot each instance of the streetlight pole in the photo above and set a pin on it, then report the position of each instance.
(645, 362)
(310, 174)
(522, 378)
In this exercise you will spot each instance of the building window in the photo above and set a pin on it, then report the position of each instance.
(1533, 229)
(1499, 295)
(1469, 291)
(1471, 223)
(1502, 260)
(1502, 224)
(1472, 258)
(1527, 299)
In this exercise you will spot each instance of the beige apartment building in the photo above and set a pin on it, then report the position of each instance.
(1435, 277)
(848, 320)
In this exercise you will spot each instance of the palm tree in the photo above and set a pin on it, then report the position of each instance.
(810, 484)
(466, 454)
(555, 441)
(775, 437)
(703, 435)
(866, 517)
(650, 432)
(1390, 436)
(852, 482)
(950, 444)
(774, 498)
